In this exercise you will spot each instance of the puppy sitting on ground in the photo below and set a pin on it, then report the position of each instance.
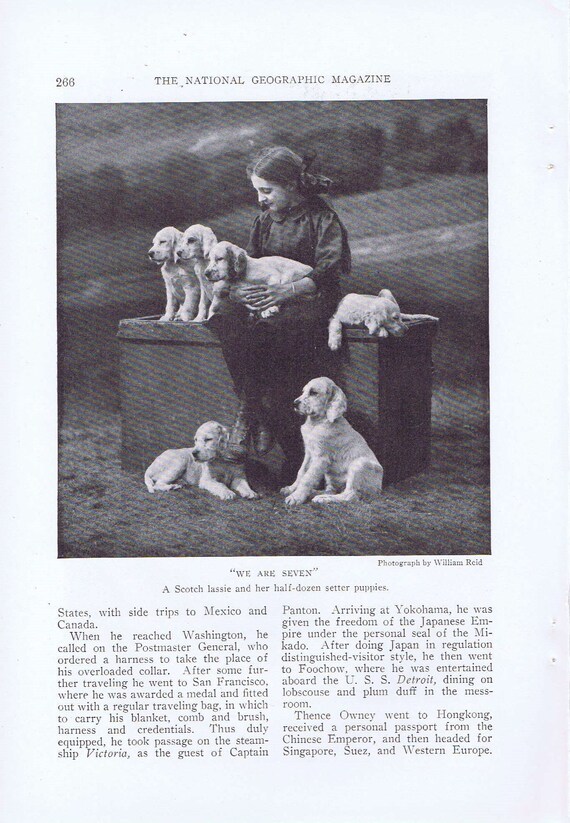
(183, 290)
(203, 466)
(334, 451)
(231, 264)
(380, 314)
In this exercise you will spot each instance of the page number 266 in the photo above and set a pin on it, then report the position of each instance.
(64, 82)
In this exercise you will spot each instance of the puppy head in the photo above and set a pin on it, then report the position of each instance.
(163, 245)
(394, 325)
(210, 441)
(391, 319)
(196, 243)
(227, 262)
(321, 398)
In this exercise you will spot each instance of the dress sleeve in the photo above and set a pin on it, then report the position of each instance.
(332, 256)
(254, 243)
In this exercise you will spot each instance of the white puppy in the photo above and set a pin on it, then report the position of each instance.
(182, 285)
(193, 249)
(380, 314)
(231, 264)
(334, 451)
(203, 466)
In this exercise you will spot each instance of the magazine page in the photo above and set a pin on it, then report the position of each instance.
(286, 413)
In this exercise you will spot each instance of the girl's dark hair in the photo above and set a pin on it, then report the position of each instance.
(281, 165)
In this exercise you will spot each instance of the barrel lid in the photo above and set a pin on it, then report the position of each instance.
(161, 331)
(417, 325)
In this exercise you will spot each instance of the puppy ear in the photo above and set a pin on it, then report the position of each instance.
(337, 404)
(387, 294)
(223, 439)
(232, 273)
(209, 240)
(241, 262)
(172, 241)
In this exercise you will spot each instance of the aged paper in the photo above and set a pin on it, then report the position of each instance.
(402, 660)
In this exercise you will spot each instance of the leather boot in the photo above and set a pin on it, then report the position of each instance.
(262, 437)
(239, 436)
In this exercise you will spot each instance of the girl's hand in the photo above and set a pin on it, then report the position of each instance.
(260, 297)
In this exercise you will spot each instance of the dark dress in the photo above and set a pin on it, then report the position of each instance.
(271, 359)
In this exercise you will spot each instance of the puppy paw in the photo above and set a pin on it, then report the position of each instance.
(166, 318)
(227, 494)
(286, 490)
(249, 495)
(185, 316)
(294, 500)
(324, 498)
(343, 497)
(382, 333)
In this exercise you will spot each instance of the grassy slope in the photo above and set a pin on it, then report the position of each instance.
(445, 510)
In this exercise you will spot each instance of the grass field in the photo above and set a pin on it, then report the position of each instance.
(427, 243)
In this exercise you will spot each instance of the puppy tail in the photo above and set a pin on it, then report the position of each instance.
(335, 333)
(416, 318)
(149, 482)
(379, 472)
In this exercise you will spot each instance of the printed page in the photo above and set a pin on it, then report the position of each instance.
(285, 412)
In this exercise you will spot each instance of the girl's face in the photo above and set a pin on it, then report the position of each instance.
(274, 196)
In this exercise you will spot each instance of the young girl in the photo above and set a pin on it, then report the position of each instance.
(270, 359)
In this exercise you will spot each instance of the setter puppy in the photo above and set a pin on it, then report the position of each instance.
(193, 249)
(182, 285)
(203, 466)
(182, 258)
(231, 264)
(334, 451)
(380, 314)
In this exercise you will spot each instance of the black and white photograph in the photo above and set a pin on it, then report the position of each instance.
(273, 328)
(285, 412)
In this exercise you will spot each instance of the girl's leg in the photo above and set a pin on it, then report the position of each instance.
(292, 349)
(244, 346)
(269, 361)
(232, 328)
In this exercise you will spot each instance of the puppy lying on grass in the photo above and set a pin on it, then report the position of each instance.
(231, 264)
(203, 466)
